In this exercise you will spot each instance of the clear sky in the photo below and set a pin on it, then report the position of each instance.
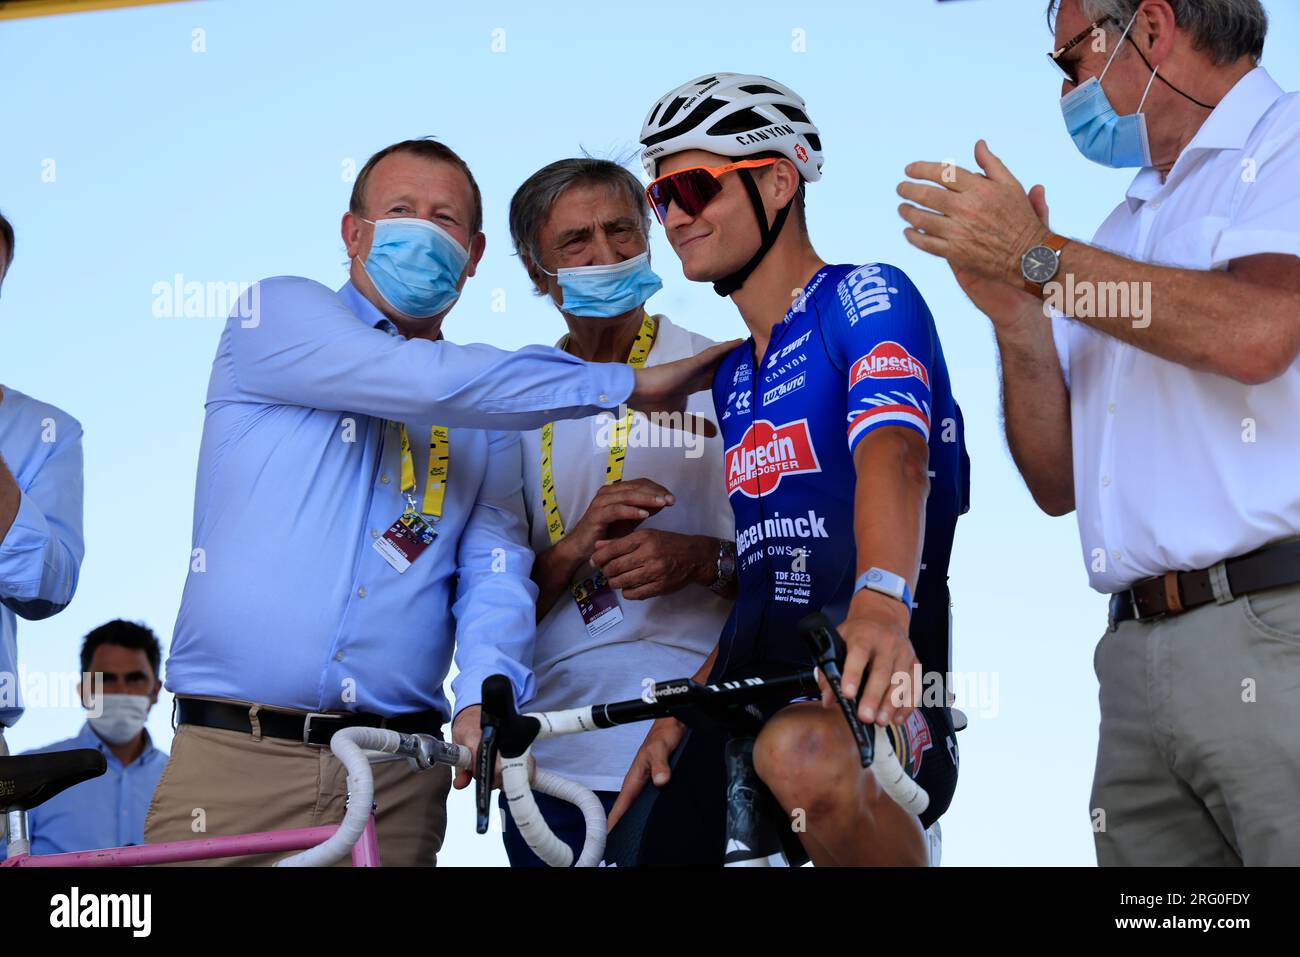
(215, 140)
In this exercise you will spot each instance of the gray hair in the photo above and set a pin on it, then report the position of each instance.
(531, 205)
(1226, 29)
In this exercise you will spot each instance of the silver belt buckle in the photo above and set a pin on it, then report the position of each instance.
(306, 728)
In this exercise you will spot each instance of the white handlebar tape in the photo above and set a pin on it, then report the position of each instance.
(593, 813)
(571, 721)
(349, 746)
(523, 808)
(894, 779)
(533, 827)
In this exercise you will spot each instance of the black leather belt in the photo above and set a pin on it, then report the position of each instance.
(1172, 593)
(310, 728)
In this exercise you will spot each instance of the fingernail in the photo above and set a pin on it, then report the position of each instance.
(868, 714)
(644, 513)
(661, 780)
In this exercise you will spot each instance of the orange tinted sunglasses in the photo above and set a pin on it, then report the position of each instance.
(694, 188)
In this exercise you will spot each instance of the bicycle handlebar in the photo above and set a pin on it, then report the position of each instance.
(511, 734)
(355, 748)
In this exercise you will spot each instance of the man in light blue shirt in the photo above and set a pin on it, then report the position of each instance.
(108, 811)
(295, 604)
(41, 545)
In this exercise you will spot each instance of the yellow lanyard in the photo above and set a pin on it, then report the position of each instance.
(439, 462)
(618, 440)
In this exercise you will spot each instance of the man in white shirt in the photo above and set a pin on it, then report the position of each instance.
(1161, 403)
(634, 537)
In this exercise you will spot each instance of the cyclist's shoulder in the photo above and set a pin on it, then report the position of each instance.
(734, 369)
(871, 289)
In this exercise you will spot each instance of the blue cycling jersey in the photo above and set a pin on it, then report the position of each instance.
(858, 351)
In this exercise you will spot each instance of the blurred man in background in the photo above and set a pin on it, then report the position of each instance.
(119, 666)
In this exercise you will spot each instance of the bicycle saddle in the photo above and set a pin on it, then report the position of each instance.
(29, 780)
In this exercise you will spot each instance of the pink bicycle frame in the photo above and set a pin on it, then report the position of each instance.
(365, 853)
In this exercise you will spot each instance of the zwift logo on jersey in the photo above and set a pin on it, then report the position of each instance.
(889, 360)
(778, 356)
(766, 453)
(864, 292)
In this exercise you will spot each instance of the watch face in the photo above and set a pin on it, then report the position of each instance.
(1039, 264)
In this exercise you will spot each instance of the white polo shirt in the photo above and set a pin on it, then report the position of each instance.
(659, 638)
(1176, 468)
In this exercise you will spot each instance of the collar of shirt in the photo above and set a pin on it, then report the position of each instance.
(87, 738)
(366, 311)
(1226, 128)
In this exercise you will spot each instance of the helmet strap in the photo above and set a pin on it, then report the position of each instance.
(729, 284)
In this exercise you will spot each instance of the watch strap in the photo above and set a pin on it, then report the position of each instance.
(887, 583)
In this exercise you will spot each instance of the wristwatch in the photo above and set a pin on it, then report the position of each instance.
(887, 583)
(1040, 264)
(726, 566)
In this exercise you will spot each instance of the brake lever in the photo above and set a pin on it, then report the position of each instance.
(485, 762)
(820, 634)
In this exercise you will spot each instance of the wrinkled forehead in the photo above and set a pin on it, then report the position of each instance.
(592, 204)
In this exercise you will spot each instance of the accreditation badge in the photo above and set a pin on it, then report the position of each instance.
(597, 603)
(405, 540)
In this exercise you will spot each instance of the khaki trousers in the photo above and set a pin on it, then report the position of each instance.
(1198, 761)
(218, 783)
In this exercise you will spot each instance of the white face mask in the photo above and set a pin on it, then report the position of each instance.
(122, 716)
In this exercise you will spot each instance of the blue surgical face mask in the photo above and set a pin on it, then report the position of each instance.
(415, 266)
(1101, 134)
(602, 292)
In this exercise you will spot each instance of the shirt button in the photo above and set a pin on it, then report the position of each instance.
(604, 399)
(374, 533)
(1105, 480)
(1116, 554)
(1111, 407)
(339, 656)
(361, 592)
(385, 478)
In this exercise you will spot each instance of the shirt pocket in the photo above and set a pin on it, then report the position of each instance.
(1190, 245)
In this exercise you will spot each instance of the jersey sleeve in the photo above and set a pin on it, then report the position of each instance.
(879, 330)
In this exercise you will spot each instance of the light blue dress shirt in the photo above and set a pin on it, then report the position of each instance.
(107, 811)
(40, 556)
(287, 602)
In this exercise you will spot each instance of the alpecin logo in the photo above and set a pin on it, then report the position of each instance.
(766, 453)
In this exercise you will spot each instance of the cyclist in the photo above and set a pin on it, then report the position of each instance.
(860, 529)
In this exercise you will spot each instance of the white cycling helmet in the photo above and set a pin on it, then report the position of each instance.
(732, 114)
